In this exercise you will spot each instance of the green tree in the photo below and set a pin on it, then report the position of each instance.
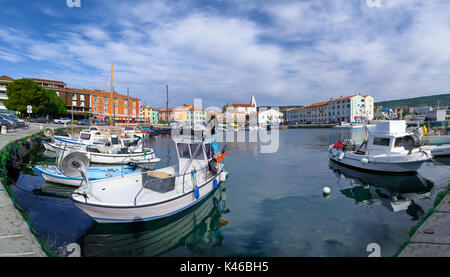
(24, 92)
(405, 112)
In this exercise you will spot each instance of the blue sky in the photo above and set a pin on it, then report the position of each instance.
(222, 51)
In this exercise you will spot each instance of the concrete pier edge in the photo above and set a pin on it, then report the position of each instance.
(432, 246)
(18, 238)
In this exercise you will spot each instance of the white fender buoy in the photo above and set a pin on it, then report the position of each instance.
(326, 190)
(364, 160)
(223, 176)
(341, 155)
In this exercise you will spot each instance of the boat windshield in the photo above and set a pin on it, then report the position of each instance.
(381, 141)
(183, 150)
(199, 155)
(85, 136)
(208, 150)
(398, 142)
(114, 140)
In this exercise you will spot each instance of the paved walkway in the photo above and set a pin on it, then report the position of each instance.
(16, 239)
(432, 239)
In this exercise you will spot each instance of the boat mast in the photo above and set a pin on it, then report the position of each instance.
(167, 104)
(111, 98)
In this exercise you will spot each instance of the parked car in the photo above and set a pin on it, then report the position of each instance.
(20, 122)
(101, 123)
(61, 120)
(6, 123)
(84, 122)
(14, 123)
(40, 120)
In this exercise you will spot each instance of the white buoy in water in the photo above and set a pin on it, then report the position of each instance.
(326, 190)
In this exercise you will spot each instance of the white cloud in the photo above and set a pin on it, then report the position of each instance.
(304, 52)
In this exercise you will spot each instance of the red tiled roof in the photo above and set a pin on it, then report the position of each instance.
(342, 98)
(243, 105)
(6, 78)
(49, 81)
(107, 94)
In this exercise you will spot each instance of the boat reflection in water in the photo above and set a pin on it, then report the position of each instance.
(192, 228)
(396, 192)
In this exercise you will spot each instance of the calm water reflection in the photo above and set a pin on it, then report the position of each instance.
(274, 206)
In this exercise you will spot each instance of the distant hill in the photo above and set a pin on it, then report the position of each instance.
(444, 100)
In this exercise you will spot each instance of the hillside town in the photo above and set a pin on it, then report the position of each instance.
(94, 105)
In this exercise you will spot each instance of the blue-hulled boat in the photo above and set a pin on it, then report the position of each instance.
(51, 173)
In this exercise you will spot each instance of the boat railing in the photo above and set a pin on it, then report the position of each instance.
(389, 155)
(170, 181)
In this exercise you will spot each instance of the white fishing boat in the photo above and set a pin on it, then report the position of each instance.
(438, 150)
(352, 125)
(387, 148)
(115, 151)
(157, 193)
(84, 138)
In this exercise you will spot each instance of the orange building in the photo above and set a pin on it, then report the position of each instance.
(123, 107)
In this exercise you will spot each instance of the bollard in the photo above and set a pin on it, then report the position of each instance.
(4, 131)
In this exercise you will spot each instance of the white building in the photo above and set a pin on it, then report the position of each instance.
(4, 81)
(270, 117)
(347, 109)
(242, 108)
(369, 107)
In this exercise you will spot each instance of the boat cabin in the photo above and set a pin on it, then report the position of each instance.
(193, 154)
(386, 137)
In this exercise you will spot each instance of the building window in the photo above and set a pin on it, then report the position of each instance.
(105, 110)
(82, 97)
(95, 100)
(74, 97)
(82, 104)
(74, 103)
(105, 102)
(125, 111)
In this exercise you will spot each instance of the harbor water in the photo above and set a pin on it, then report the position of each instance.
(272, 205)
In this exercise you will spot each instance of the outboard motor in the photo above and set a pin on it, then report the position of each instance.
(410, 142)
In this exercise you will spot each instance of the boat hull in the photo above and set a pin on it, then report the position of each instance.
(401, 167)
(439, 150)
(52, 174)
(139, 213)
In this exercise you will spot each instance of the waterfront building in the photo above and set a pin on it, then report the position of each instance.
(123, 108)
(369, 107)
(165, 115)
(4, 81)
(270, 117)
(189, 114)
(343, 109)
(78, 101)
(246, 109)
(346, 109)
(155, 116)
(316, 113)
(232, 116)
(146, 113)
